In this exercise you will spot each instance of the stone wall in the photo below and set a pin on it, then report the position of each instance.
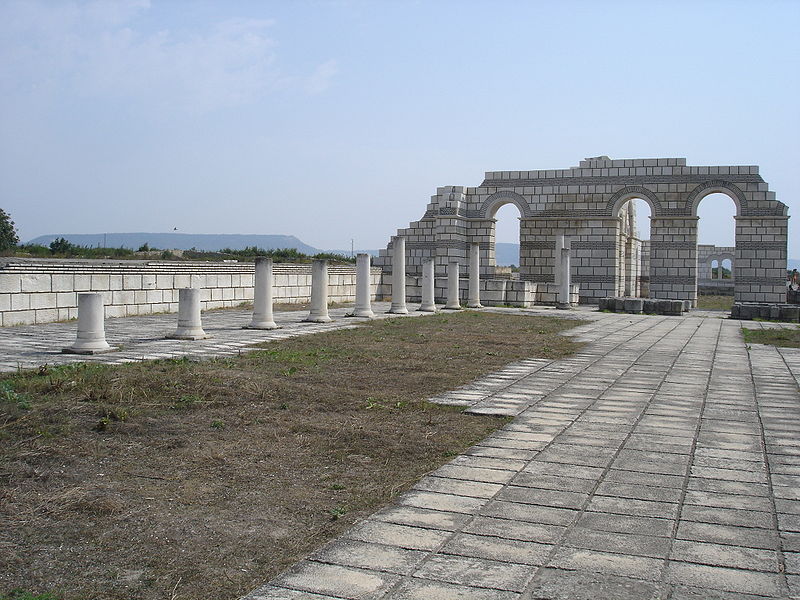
(42, 291)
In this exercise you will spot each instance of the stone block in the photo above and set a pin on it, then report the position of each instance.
(114, 282)
(19, 317)
(44, 300)
(775, 312)
(634, 306)
(101, 283)
(182, 281)
(63, 283)
(20, 301)
(619, 304)
(36, 282)
(83, 282)
(148, 282)
(46, 315)
(131, 282)
(115, 311)
(790, 314)
(5, 302)
(10, 283)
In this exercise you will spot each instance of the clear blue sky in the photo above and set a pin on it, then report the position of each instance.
(333, 120)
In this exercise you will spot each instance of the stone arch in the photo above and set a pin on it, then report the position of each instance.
(616, 202)
(717, 186)
(495, 201)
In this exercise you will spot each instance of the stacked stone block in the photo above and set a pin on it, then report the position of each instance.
(37, 291)
(587, 203)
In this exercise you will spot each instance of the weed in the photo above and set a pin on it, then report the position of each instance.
(218, 424)
(284, 406)
(18, 594)
(337, 486)
(337, 512)
(9, 394)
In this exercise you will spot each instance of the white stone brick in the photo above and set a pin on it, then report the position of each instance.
(36, 282)
(63, 282)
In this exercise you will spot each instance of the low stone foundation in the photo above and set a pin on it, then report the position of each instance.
(789, 313)
(650, 306)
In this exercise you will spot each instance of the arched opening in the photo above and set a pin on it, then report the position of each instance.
(507, 240)
(726, 269)
(716, 235)
(633, 248)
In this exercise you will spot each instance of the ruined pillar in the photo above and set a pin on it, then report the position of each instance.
(428, 281)
(474, 300)
(319, 293)
(565, 281)
(363, 307)
(190, 326)
(452, 286)
(398, 276)
(91, 337)
(262, 296)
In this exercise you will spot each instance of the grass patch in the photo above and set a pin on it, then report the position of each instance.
(784, 337)
(198, 480)
(712, 302)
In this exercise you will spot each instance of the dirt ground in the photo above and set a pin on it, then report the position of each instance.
(193, 480)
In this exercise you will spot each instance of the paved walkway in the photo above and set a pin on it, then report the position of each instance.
(661, 462)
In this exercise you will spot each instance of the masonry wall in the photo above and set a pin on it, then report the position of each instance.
(587, 204)
(46, 291)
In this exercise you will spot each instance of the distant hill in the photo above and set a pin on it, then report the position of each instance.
(179, 241)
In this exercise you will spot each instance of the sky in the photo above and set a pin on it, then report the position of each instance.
(336, 120)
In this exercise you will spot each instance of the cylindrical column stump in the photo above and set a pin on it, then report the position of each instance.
(453, 302)
(262, 296)
(363, 307)
(398, 276)
(428, 286)
(91, 326)
(319, 293)
(474, 300)
(190, 325)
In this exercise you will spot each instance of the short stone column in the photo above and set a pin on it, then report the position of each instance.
(190, 326)
(428, 286)
(262, 296)
(398, 276)
(453, 302)
(474, 300)
(319, 293)
(91, 326)
(363, 307)
(563, 265)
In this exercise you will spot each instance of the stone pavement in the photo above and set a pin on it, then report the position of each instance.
(662, 461)
(143, 337)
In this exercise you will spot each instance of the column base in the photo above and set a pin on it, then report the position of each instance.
(263, 325)
(427, 308)
(364, 314)
(188, 336)
(322, 319)
(88, 351)
(474, 305)
(398, 311)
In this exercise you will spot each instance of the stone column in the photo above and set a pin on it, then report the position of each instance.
(91, 326)
(262, 296)
(398, 276)
(363, 307)
(190, 326)
(474, 276)
(565, 281)
(428, 281)
(452, 286)
(319, 293)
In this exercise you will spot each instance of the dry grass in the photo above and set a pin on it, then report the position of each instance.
(711, 302)
(203, 480)
(784, 337)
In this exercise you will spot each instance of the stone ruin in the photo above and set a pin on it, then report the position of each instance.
(589, 206)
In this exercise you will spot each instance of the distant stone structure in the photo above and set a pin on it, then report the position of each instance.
(715, 269)
(589, 205)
